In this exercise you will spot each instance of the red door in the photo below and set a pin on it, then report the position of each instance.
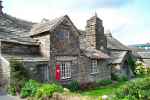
(57, 76)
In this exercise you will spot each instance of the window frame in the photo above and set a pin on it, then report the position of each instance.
(94, 66)
(65, 69)
(63, 35)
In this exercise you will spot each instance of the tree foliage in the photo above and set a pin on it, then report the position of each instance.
(18, 75)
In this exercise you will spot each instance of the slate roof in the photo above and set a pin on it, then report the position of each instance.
(13, 29)
(45, 26)
(90, 51)
(113, 43)
(117, 56)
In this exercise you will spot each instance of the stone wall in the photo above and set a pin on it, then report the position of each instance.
(16, 49)
(104, 71)
(44, 44)
(65, 42)
(34, 69)
(122, 68)
(4, 72)
(74, 67)
(95, 33)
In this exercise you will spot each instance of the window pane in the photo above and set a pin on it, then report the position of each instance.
(94, 66)
(65, 70)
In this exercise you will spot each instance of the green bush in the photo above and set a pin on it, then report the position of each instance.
(29, 89)
(87, 85)
(132, 64)
(119, 78)
(12, 90)
(18, 76)
(46, 90)
(114, 77)
(138, 89)
(74, 86)
(141, 69)
(123, 78)
(104, 82)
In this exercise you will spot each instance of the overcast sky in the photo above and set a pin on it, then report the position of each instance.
(128, 20)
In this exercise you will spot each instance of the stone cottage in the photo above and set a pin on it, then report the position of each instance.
(120, 54)
(55, 50)
(42, 47)
(61, 43)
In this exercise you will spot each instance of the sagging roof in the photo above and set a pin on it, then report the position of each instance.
(113, 43)
(13, 29)
(95, 54)
(47, 25)
(117, 56)
(90, 51)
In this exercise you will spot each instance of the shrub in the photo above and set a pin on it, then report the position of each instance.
(119, 78)
(18, 75)
(104, 82)
(29, 89)
(88, 85)
(12, 90)
(141, 69)
(138, 89)
(74, 86)
(123, 78)
(132, 64)
(46, 90)
(114, 77)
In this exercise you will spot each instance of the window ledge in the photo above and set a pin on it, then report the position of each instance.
(66, 78)
(94, 73)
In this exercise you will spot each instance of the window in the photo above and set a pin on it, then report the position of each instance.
(63, 35)
(65, 70)
(94, 68)
(43, 71)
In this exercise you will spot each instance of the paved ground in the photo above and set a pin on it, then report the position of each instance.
(9, 98)
(4, 96)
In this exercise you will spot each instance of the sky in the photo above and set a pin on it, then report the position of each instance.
(128, 20)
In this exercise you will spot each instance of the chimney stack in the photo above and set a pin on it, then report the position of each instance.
(1, 7)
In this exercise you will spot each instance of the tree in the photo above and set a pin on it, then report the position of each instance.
(18, 75)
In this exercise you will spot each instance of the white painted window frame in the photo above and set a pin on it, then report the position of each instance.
(65, 69)
(94, 67)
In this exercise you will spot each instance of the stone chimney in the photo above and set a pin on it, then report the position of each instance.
(1, 7)
(95, 33)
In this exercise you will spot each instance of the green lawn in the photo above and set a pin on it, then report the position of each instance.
(107, 90)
